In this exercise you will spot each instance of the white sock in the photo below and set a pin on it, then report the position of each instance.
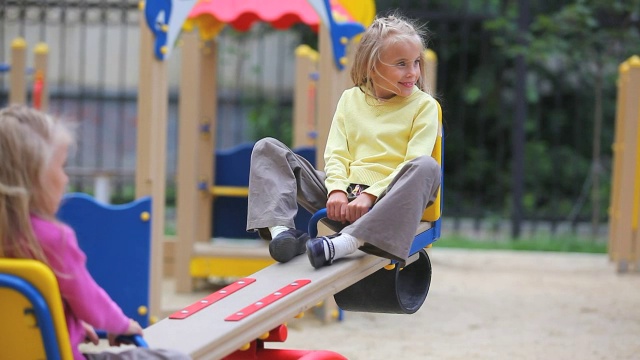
(343, 245)
(276, 230)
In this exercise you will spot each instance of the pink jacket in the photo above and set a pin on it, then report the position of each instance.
(83, 298)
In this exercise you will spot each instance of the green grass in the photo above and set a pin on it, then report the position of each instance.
(540, 242)
(561, 243)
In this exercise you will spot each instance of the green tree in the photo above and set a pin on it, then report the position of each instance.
(577, 46)
(592, 37)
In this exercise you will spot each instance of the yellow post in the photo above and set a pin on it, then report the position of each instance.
(431, 68)
(207, 139)
(304, 109)
(17, 74)
(625, 200)
(151, 152)
(635, 215)
(619, 238)
(40, 63)
(617, 150)
(331, 84)
(196, 161)
(187, 178)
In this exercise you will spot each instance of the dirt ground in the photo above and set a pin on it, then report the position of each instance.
(491, 305)
(497, 305)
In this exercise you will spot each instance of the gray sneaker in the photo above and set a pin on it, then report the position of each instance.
(288, 244)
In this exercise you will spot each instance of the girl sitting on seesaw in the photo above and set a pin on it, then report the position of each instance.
(379, 175)
(33, 152)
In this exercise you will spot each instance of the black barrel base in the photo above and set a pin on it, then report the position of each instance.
(396, 291)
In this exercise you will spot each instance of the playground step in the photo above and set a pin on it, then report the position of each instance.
(221, 247)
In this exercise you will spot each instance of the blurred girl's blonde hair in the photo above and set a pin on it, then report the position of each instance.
(381, 33)
(28, 139)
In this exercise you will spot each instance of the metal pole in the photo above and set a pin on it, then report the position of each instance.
(518, 135)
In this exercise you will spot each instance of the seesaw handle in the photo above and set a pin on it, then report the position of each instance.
(313, 223)
(136, 340)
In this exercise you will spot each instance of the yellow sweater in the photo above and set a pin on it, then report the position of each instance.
(370, 142)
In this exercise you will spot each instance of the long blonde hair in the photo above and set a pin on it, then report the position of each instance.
(28, 139)
(382, 32)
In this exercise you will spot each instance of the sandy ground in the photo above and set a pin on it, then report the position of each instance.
(491, 305)
(498, 305)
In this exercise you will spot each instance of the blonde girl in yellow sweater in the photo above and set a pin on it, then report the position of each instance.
(379, 175)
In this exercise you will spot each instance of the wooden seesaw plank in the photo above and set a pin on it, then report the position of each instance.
(207, 335)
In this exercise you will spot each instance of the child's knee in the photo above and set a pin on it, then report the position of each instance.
(263, 143)
(427, 164)
(265, 146)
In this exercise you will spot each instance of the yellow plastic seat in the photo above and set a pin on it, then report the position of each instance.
(33, 322)
(433, 212)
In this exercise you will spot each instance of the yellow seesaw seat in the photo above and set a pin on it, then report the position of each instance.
(33, 322)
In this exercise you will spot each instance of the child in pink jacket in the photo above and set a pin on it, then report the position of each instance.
(33, 152)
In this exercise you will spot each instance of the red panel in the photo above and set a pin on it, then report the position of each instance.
(210, 299)
(283, 354)
(278, 334)
(242, 14)
(269, 299)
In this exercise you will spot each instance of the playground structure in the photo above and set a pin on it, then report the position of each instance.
(222, 325)
(321, 284)
(234, 322)
(618, 246)
(238, 258)
(18, 72)
(196, 168)
(203, 331)
(34, 311)
(33, 314)
(304, 104)
(624, 211)
(24, 284)
(114, 235)
(201, 258)
(197, 129)
(150, 179)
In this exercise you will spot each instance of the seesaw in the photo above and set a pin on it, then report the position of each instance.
(229, 321)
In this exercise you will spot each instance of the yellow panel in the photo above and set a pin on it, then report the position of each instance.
(362, 11)
(432, 213)
(636, 184)
(235, 191)
(307, 51)
(19, 339)
(227, 267)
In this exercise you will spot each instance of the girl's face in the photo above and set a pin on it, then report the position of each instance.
(55, 178)
(398, 69)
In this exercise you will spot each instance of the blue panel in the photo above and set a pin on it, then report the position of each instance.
(302, 219)
(118, 247)
(232, 169)
(232, 165)
(230, 218)
(308, 153)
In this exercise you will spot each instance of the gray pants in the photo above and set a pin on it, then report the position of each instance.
(280, 179)
(139, 354)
